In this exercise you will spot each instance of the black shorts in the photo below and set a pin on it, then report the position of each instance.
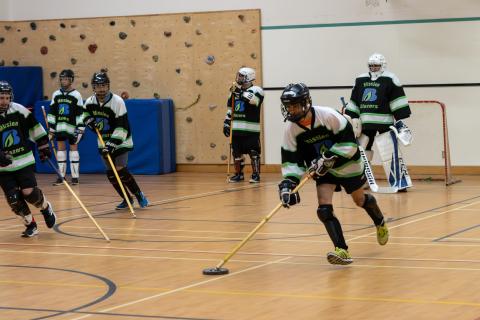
(371, 136)
(20, 179)
(245, 144)
(65, 137)
(349, 184)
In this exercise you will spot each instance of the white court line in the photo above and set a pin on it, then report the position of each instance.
(184, 288)
(413, 221)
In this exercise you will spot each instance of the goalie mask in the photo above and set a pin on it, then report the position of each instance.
(66, 78)
(296, 102)
(101, 85)
(245, 77)
(6, 96)
(376, 65)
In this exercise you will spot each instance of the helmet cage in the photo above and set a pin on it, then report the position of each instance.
(295, 94)
(6, 88)
(245, 76)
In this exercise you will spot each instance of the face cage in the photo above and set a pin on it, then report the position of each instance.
(5, 109)
(291, 118)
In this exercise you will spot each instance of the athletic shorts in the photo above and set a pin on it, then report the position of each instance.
(245, 144)
(20, 179)
(65, 137)
(119, 161)
(350, 184)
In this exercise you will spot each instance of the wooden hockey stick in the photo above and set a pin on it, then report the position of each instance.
(368, 169)
(231, 137)
(112, 165)
(78, 199)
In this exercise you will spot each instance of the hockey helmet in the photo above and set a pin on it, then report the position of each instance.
(100, 78)
(100, 85)
(67, 73)
(376, 65)
(295, 94)
(245, 76)
(5, 89)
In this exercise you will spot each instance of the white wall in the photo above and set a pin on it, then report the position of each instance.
(325, 56)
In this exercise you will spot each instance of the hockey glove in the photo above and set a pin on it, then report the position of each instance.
(5, 159)
(288, 198)
(249, 97)
(226, 127)
(90, 122)
(44, 152)
(321, 165)
(109, 148)
(51, 133)
(236, 90)
(78, 135)
(403, 133)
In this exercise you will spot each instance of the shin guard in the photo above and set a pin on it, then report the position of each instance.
(334, 229)
(36, 198)
(113, 180)
(62, 161)
(74, 163)
(128, 181)
(18, 205)
(255, 160)
(370, 205)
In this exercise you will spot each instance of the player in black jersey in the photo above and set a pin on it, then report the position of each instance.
(322, 140)
(18, 127)
(244, 123)
(65, 124)
(106, 112)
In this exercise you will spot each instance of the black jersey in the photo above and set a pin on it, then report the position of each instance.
(329, 133)
(66, 111)
(111, 117)
(246, 116)
(378, 103)
(18, 127)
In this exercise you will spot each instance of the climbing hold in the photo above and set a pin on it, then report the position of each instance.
(189, 119)
(189, 157)
(241, 17)
(62, 25)
(82, 36)
(210, 60)
(85, 85)
(186, 19)
(212, 145)
(122, 35)
(155, 58)
(24, 40)
(44, 50)
(52, 37)
(33, 25)
(112, 23)
(188, 44)
(133, 23)
(136, 84)
(178, 70)
(124, 95)
(167, 33)
(15, 63)
(198, 32)
(144, 46)
(53, 74)
(73, 61)
(92, 48)
(156, 95)
(199, 82)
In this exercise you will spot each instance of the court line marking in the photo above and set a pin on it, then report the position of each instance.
(185, 287)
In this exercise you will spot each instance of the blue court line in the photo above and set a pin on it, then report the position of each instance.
(368, 23)
(455, 233)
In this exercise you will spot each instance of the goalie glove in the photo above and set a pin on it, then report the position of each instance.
(288, 198)
(321, 165)
(403, 133)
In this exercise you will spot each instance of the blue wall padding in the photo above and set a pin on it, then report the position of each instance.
(152, 123)
(27, 84)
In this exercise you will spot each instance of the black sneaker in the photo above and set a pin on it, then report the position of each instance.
(74, 181)
(255, 178)
(31, 230)
(58, 182)
(236, 178)
(49, 216)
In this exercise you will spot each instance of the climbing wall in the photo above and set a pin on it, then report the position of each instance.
(191, 58)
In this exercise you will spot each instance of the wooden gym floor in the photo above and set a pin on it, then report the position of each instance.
(152, 268)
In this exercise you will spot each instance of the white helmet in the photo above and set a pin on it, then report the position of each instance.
(245, 76)
(375, 60)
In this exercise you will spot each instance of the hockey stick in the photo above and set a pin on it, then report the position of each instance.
(112, 165)
(368, 169)
(78, 199)
(231, 134)
(218, 270)
(48, 129)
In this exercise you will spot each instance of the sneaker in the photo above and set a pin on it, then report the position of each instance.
(382, 234)
(49, 216)
(236, 178)
(339, 256)
(142, 200)
(31, 230)
(57, 182)
(74, 181)
(123, 205)
(255, 178)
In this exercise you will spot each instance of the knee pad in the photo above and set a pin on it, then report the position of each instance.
(370, 205)
(111, 177)
(17, 203)
(254, 154)
(35, 197)
(325, 212)
(124, 175)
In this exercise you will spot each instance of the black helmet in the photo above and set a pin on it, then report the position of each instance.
(292, 94)
(67, 73)
(100, 78)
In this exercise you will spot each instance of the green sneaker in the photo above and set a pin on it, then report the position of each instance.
(382, 234)
(339, 256)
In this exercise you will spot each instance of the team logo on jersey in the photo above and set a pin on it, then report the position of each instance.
(102, 124)
(239, 106)
(10, 138)
(369, 95)
(64, 109)
(323, 146)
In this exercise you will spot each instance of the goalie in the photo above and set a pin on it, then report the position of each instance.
(378, 105)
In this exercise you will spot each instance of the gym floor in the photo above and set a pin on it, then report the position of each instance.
(152, 268)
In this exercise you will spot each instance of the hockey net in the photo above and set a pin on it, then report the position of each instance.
(430, 132)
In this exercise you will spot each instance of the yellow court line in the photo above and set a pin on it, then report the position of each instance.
(185, 287)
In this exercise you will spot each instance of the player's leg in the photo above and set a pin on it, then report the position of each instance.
(74, 161)
(129, 182)
(120, 162)
(61, 159)
(238, 160)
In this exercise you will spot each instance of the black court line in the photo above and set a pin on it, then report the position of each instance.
(112, 287)
(130, 315)
(455, 233)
